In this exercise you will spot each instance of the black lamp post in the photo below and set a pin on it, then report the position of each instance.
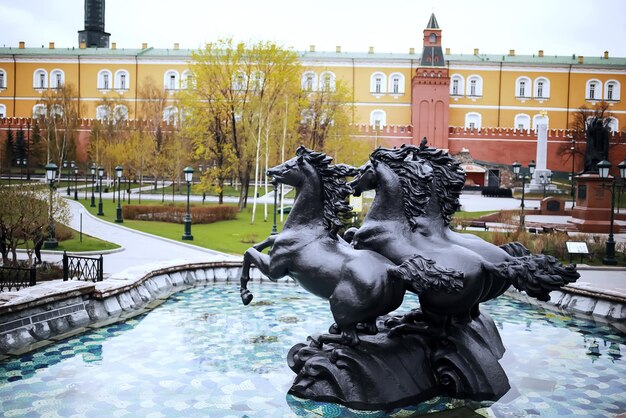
(68, 176)
(93, 180)
(75, 183)
(275, 184)
(545, 180)
(187, 221)
(100, 175)
(22, 164)
(516, 169)
(51, 242)
(118, 174)
(573, 174)
(604, 167)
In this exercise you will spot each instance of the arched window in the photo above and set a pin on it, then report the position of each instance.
(170, 114)
(473, 120)
(171, 80)
(188, 80)
(540, 120)
(378, 119)
(57, 78)
(396, 83)
(103, 113)
(522, 121)
(105, 80)
(40, 79)
(474, 86)
(309, 81)
(611, 91)
(122, 80)
(613, 124)
(120, 112)
(378, 83)
(327, 81)
(3, 79)
(239, 81)
(457, 85)
(39, 111)
(542, 88)
(593, 90)
(56, 111)
(523, 87)
(307, 116)
(3, 111)
(257, 80)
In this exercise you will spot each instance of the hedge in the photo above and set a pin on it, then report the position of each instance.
(175, 214)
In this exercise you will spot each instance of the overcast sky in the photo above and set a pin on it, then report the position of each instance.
(559, 27)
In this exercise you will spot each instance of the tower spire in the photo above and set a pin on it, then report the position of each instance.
(432, 55)
(432, 23)
(94, 36)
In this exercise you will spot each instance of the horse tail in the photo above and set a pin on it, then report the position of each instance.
(420, 274)
(536, 274)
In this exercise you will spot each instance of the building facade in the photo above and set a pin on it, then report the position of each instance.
(475, 101)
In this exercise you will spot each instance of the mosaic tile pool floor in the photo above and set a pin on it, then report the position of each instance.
(203, 354)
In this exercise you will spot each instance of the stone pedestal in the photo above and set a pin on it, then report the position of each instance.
(593, 205)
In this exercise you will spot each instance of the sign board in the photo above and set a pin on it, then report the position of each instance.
(574, 247)
(356, 203)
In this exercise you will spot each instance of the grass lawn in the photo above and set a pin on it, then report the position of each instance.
(88, 243)
(472, 215)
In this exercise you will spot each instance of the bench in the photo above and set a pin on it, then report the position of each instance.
(475, 224)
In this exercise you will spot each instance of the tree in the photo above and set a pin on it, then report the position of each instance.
(10, 149)
(20, 144)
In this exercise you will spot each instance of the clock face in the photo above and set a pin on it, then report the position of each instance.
(433, 38)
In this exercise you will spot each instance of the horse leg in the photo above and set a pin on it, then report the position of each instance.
(261, 261)
(347, 337)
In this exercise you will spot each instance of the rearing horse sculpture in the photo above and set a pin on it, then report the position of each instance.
(417, 192)
(359, 284)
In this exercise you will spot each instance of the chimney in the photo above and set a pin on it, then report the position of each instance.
(338, 49)
(581, 59)
(475, 51)
(83, 45)
(511, 52)
(411, 51)
(22, 44)
(113, 45)
(144, 45)
(606, 55)
(51, 45)
(447, 51)
(311, 48)
(541, 53)
(371, 50)
(176, 46)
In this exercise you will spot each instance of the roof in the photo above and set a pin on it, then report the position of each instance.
(432, 22)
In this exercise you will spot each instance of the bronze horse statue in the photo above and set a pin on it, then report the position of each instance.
(360, 285)
(417, 192)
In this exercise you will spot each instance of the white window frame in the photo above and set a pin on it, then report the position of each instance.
(527, 88)
(597, 96)
(40, 83)
(187, 80)
(461, 85)
(522, 119)
(171, 80)
(57, 110)
(378, 79)
(120, 112)
(613, 123)
(327, 77)
(170, 115)
(257, 78)
(545, 94)
(105, 85)
(399, 77)
(57, 75)
(478, 86)
(3, 79)
(240, 81)
(103, 113)
(474, 118)
(615, 93)
(40, 110)
(3, 111)
(308, 81)
(537, 119)
(117, 84)
(378, 118)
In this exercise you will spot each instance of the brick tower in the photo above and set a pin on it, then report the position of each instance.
(94, 36)
(430, 89)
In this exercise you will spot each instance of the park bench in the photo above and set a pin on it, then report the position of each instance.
(475, 224)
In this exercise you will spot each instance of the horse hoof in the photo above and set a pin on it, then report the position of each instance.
(246, 298)
(314, 342)
(334, 329)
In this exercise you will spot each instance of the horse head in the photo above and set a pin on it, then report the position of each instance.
(366, 178)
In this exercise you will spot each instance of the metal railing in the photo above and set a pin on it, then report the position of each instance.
(17, 278)
(82, 268)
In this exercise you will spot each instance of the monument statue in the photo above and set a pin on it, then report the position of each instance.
(597, 138)
(370, 359)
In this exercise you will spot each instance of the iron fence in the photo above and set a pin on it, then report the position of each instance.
(17, 278)
(82, 268)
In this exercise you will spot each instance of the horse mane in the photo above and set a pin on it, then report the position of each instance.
(334, 187)
(420, 167)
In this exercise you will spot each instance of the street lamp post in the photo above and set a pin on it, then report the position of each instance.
(93, 180)
(604, 167)
(275, 184)
(22, 164)
(51, 242)
(545, 180)
(187, 221)
(100, 175)
(573, 174)
(75, 183)
(516, 169)
(118, 174)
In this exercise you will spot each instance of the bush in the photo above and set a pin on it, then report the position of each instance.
(175, 214)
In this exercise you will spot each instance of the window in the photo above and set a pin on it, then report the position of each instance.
(103, 113)
(121, 80)
(3, 111)
(56, 111)
(473, 120)
(170, 80)
(328, 81)
(40, 79)
(542, 88)
(3, 79)
(104, 80)
(377, 83)
(307, 116)
(309, 81)
(396, 83)
(457, 85)
(170, 114)
(594, 90)
(239, 81)
(432, 38)
(57, 78)
(39, 111)
(378, 119)
(188, 81)
(611, 91)
(522, 122)
(523, 88)
(120, 113)
(540, 120)
(611, 123)
(474, 86)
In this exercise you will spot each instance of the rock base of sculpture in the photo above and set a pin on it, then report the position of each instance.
(384, 373)
(593, 205)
